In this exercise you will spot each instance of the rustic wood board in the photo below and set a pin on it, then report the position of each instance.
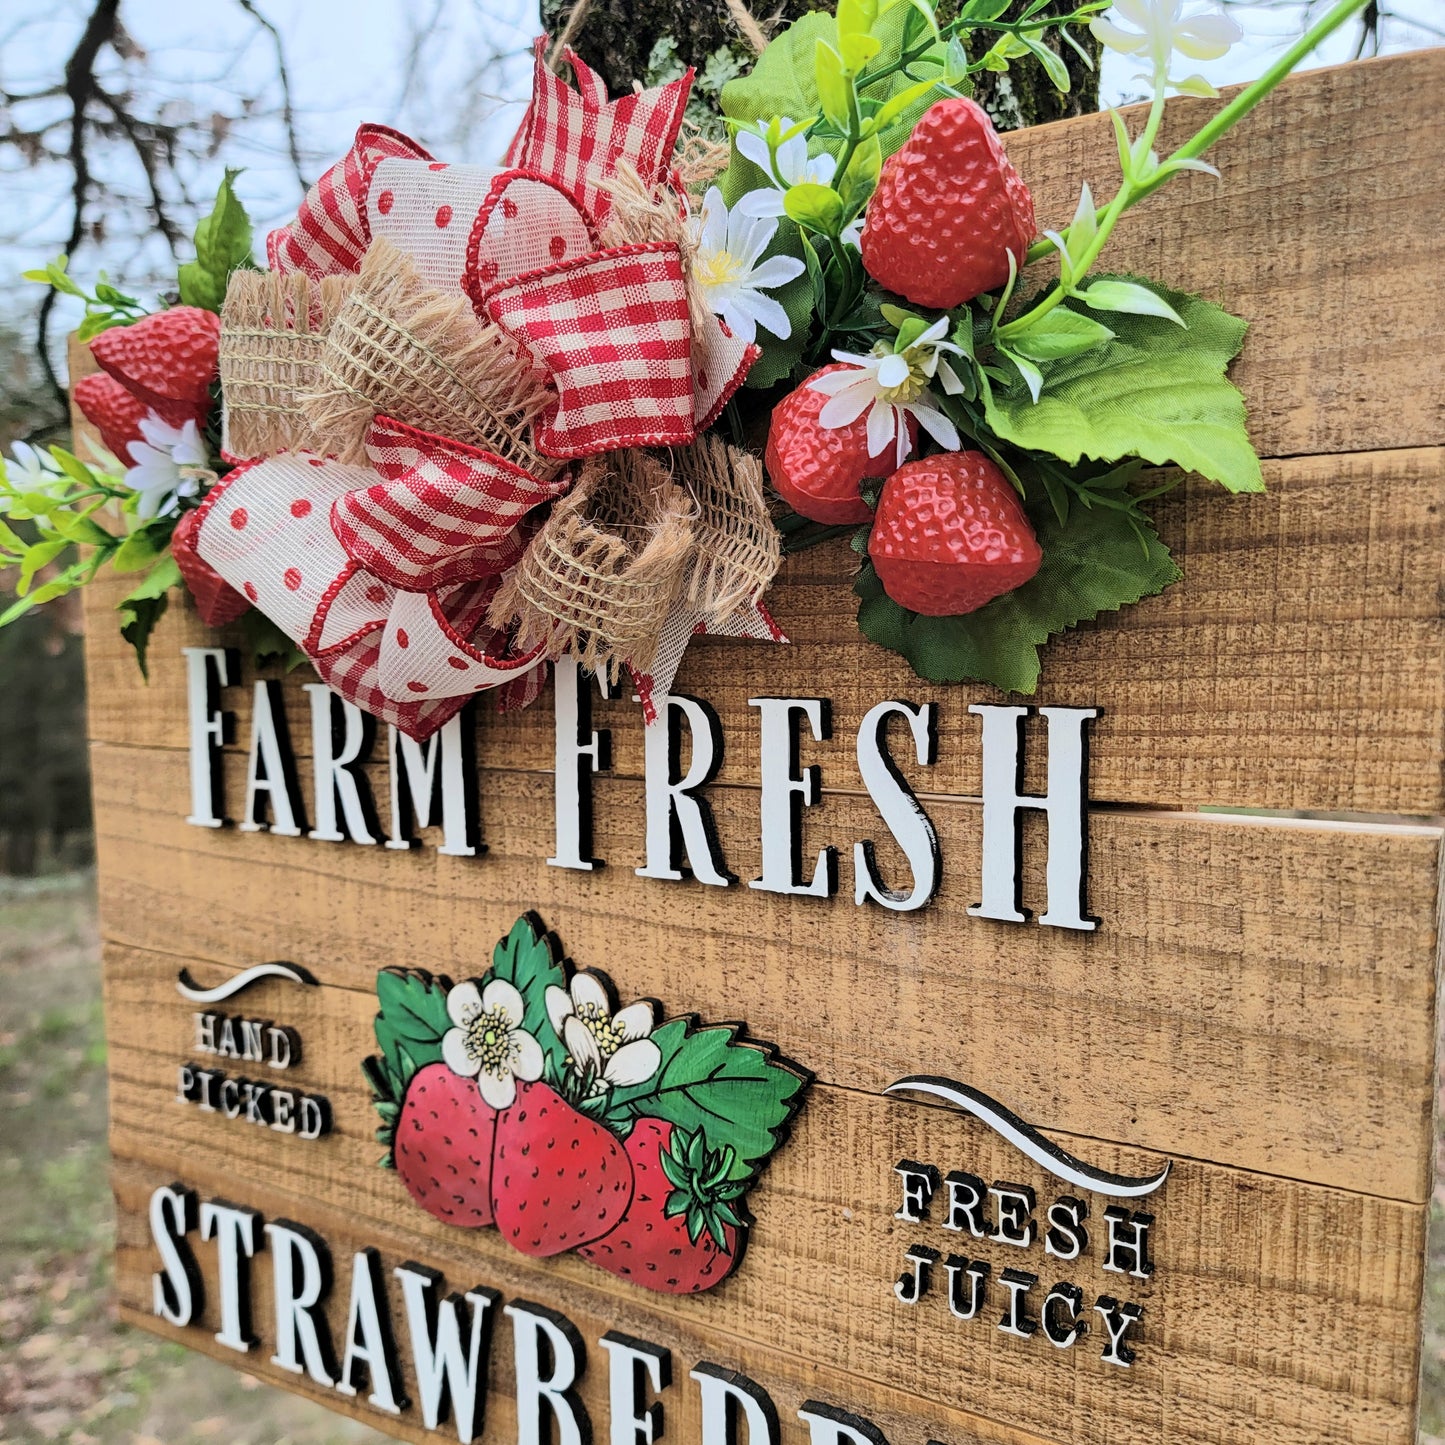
(1258, 1006)
(1305, 650)
(1288, 971)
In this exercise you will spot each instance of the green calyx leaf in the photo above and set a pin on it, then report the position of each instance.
(1059, 333)
(1156, 390)
(1106, 293)
(411, 1023)
(709, 1081)
(705, 1187)
(1094, 564)
(814, 207)
(530, 959)
(223, 245)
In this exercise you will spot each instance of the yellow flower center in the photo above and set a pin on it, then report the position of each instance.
(906, 391)
(489, 1040)
(717, 268)
(608, 1036)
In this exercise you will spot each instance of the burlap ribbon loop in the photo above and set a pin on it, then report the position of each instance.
(599, 577)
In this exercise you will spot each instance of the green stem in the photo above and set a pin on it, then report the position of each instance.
(1232, 113)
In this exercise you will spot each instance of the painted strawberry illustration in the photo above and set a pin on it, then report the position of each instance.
(948, 212)
(559, 1178)
(951, 535)
(817, 470)
(167, 361)
(442, 1146)
(112, 410)
(683, 1231)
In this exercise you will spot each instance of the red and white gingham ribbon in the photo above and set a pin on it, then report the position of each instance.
(380, 574)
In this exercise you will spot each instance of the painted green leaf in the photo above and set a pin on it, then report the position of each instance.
(529, 960)
(412, 1020)
(1094, 564)
(1156, 391)
(735, 1094)
(223, 245)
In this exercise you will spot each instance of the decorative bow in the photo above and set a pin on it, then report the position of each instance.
(380, 574)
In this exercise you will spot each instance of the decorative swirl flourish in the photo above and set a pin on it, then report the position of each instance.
(1025, 1137)
(187, 987)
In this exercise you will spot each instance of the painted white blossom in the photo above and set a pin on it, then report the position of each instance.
(169, 464)
(487, 1041)
(729, 268)
(607, 1048)
(891, 386)
(1163, 29)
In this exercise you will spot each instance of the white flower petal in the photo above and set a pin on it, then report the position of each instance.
(635, 1021)
(754, 148)
(834, 382)
(499, 1090)
(464, 1003)
(160, 433)
(847, 406)
(775, 271)
(1110, 35)
(822, 169)
(503, 996)
(714, 230)
(881, 427)
(588, 991)
(893, 370)
(761, 202)
(455, 1055)
(581, 1045)
(1206, 37)
(766, 312)
(527, 1063)
(190, 450)
(1143, 13)
(633, 1063)
(935, 332)
(952, 386)
(738, 321)
(559, 1006)
(936, 425)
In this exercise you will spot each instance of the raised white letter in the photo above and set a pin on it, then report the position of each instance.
(338, 748)
(427, 786)
(208, 670)
(908, 823)
(271, 769)
(785, 792)
(446, 1379)
(576, 742)
(678, 825)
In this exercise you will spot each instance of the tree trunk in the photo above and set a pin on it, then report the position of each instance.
(618, 38)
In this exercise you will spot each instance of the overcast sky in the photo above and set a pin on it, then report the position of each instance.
(346, 59)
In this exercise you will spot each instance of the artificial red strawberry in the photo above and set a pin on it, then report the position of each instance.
(216, 600)
(168, 360)
(442, 1147)
(112, 410)
(950, 535)
(817, 470)
(681, 1232)
(948, 211)
(559, 1179)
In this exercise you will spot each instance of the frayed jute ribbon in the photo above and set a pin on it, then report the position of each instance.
(273, 331)
(599, 577)
(403, 349)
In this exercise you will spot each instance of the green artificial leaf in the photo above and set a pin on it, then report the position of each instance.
(1093, 564)
(139, 618)
(528, 958)
(860, 180)
(412, 1021)
(1156, 391)
(223, 245)
(267, 643)
(1060, 333)
(818, 208)
(835, 88)
(1108, 294)
(139, 550)
(734, 1093)
(1051, 61)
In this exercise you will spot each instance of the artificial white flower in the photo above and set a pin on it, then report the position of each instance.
(729, 268)
(794, 167)
(31, 470)
(1164, 29)
(487, 1041)
(891, 386)
(605, 1047)
(169, 464)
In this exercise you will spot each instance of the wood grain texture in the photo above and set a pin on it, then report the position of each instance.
(1297, 666)
(1276, 1310)
(1312, 235)
(1266, 989)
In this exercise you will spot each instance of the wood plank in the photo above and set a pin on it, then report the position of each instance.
(1286, 971)
(1297, 666)
(1310, 235)
(1276, 1310)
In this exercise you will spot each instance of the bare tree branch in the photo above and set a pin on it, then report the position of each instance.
(288, 112)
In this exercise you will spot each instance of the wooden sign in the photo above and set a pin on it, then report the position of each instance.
(856, 1060)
